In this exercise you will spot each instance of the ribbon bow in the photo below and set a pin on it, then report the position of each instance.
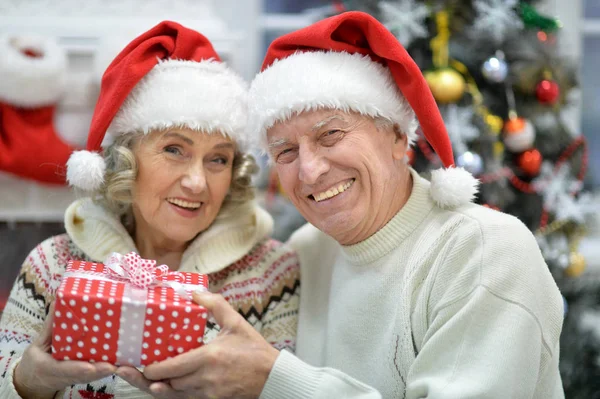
(138, 271)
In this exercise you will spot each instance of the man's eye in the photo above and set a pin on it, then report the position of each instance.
(285, 156)
(171, 149)
(331, 137)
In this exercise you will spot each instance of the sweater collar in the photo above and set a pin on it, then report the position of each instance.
(387, 239)
(98, 233)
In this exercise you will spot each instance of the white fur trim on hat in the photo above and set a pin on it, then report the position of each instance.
(85, 170)
(453, 187)
(31, 81)
(318, 80)
(205, 96)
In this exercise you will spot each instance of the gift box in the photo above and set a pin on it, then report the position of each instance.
(126, 311)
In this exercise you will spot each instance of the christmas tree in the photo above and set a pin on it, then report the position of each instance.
(503, 90)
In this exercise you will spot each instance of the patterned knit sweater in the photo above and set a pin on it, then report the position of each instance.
(258, 276)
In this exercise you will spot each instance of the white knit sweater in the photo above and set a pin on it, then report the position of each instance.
(437, 304)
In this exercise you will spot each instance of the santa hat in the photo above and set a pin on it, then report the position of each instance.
(352, 62)
(167, 77)
(32, 80)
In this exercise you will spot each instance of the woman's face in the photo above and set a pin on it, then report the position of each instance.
(183, 178)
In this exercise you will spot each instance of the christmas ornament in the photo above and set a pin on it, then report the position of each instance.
(532, 19)
(576, 265)
(494, 122)
(530, 162)
(471, 161)
(547, 92)
(33, 74)
(519, 134)
(405, 19)
(495, 18)
(495, 68)
(447, 85)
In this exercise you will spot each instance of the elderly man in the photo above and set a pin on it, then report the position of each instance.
(408, 289)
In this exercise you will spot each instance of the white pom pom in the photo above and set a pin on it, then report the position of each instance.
(85, 170)
(453, 187)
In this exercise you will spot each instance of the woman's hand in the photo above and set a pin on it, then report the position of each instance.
(236, 364)
(39, 375)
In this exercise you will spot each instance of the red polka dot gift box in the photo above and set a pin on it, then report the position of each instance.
(126, 311)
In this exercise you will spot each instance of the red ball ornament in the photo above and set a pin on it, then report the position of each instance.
(547, 92)
(530, 162)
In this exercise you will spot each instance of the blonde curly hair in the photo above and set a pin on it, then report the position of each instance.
(116, 193)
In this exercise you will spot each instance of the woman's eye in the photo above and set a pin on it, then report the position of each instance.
(221, 160)
(171, 149)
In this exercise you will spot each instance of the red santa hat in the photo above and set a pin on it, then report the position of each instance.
(170, 76)
(352, 62)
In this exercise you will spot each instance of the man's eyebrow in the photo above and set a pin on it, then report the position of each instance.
(278, 143)
(325, 121)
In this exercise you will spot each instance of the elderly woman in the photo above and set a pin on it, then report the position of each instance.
(173, 184)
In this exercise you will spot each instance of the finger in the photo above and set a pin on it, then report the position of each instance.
(224, 314)
(45, 336)
(163, 390)
(134, 377)
(179, 365)
(81, 372)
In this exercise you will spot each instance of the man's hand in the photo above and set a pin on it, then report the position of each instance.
(235, 364)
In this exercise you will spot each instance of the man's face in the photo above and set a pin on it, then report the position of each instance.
(340, 170)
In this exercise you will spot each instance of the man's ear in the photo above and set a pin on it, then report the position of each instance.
(400, 145)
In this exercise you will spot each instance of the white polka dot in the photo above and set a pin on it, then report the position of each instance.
(86, 298)
(111, 301)
(161, 318)
(175, 313)
(98, 305)
(57, 338)
(145, 345)
(188, 309)
(170, 348)
(186, 321)
(110, 312)
(107, 335)
(188, 338)
(105, 358)
(57, 313)
(177, 336)
(157, 352)
(68, 348)
(196, 327)
(93, 351)
(63, 303)
(159, 329)
(146, 334)
(148, 322)
(83, 309)
(204, 315)
(99, 295)
(180, 350)
(108, 324)
(136, 315)
(94, 340)
(75, 327)
(69, 339)
(63, 326)
(95, 329)
(83, 321)
(173, 325)
(96, 317)
(144, 356)
(162, 306)
(66, 358)
(80, 344)
(72, 302)
(130, 360)
(60, 294)
(199, 339)
(69, 315)
(158, 341)
(106, 346)
(149, 310)
(79, 355)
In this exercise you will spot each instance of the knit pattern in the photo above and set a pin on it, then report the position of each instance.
(263, 286)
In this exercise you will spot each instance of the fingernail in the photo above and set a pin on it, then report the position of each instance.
(201, 292)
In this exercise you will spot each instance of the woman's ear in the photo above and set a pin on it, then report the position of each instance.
(400, 144)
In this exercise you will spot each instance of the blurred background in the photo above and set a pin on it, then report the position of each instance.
(516, 81)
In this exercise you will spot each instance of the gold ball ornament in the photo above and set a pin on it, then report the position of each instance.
(446, 84)
(576, 265)
(495, 123)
